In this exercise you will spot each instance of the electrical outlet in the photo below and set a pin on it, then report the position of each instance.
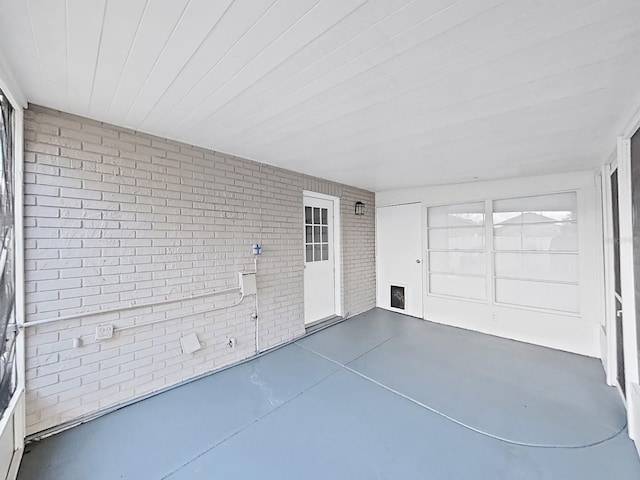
(104, 332)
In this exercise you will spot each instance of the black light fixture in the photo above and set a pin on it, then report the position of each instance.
(359, 208)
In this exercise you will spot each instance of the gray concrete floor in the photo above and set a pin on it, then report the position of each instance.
(380, 396)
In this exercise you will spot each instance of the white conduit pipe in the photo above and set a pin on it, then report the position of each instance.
(152, 322)
(126, 307)
(255, 269)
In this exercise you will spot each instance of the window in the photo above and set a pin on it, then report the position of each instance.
(536, 252)
(7, 272)
(532, 244)
(316, 226)
(457, 260)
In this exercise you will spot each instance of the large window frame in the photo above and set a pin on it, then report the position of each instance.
(493, 253)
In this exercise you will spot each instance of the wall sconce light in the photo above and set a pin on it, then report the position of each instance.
(359, 208)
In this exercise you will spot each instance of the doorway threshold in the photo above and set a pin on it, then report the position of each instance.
(323, 323)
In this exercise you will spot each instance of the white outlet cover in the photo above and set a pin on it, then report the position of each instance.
(190, 344)
(104, 332)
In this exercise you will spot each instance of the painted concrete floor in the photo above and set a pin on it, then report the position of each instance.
(380, 396)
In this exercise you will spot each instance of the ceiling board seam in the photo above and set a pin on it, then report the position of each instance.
(66, 46)
(315, 5)
(439, 12)
(95, 65)
(187, 62)
(270, 119)
(430, 112)
(35, 42)
(352, 39)
(300, 49)
(470, 121)
(320, 59)
(155, 63)
(217, 63)
(126, 62)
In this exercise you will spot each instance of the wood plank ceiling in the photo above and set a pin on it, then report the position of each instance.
(375, 93)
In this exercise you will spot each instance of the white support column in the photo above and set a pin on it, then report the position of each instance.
(608, 346)
(20, 417)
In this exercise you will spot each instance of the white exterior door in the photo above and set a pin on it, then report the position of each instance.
(319, 271)
(399, 259)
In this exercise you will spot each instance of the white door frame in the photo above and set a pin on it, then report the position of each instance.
(337, 247)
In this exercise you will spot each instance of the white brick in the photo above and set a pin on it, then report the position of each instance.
(115, 216)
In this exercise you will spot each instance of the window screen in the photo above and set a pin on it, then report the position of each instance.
(7, 270)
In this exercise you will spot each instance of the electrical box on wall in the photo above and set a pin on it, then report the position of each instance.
(247, 283)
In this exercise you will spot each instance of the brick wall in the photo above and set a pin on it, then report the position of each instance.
(113, 217)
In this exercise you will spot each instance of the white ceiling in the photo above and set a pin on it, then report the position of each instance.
(379, 94)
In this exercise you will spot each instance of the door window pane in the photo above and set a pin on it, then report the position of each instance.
(316, 234)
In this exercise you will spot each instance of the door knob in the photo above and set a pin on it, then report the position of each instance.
(418, 261)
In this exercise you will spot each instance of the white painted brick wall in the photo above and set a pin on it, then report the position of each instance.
(114, 216)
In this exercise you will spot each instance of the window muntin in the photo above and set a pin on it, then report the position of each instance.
(316, 228)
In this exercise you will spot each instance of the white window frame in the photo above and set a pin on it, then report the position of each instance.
(490, 254)
(428, 250)
(494, 278)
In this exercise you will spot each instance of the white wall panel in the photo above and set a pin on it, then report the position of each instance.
(577, 328)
